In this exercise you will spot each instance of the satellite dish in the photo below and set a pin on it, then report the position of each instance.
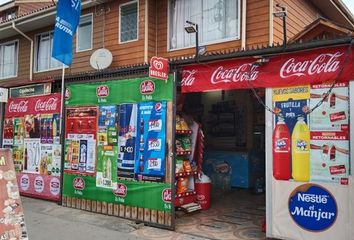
(101, 59)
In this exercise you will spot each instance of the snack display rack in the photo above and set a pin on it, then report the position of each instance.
(188, 164)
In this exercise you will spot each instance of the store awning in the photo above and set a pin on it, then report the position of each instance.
(292, 69)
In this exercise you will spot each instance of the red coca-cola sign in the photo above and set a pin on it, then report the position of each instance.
(121, 190)
(158, 68)
(49, 104)
(79, 183)
(167, 195)
(147, 87)
(18, 107)
(322, 63)
(283, 70)
(102, 91)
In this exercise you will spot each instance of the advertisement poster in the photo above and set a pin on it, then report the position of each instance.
(291, 136)
(120, 114)
(32, 155)
(19, 131)
(32, 126)
(106, 174)
(127, 139)
(18, 157)
(329, 125)
(12, 222)
(150, 162)
(36, 143)
(332, 115)
(312, 146)
(107, 129)
(8, 136)
(80, 153)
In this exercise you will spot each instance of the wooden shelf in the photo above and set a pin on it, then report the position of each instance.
(186, 194)
(182, 153)
(184, 132)
(184, 174)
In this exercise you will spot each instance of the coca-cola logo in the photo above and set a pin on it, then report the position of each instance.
(79, 183)
(188, 77)
(49, 104)
(167, 195)
(147, 87)
(121, 190)
(67, 93)
(245, 72)
(19, 107)
(323, 63)
(102, 91)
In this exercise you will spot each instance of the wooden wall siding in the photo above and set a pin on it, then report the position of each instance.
(24, 8)
(257, 23)
(257, 32)
(152, 43)
(300, 14)
(123, 54)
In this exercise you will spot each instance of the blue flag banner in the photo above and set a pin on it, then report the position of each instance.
(66, 21)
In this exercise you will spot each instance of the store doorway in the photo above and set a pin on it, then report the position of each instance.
(233, 125)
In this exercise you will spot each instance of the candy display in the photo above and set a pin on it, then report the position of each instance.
(181, 124)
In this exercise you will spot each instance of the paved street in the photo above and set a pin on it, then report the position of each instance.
(47, 220)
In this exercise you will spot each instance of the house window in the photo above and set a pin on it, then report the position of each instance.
(84, 33)
(8, 59)
(128, 22)
(44, 60)
(218, 21)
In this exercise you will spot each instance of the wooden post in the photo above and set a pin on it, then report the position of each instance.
(169, 129)
(110, 209)
(88, 205)
(104, 208)
(134, 213)
(94, 206)
(116, 210)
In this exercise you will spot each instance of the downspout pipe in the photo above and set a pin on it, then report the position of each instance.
(31, 54)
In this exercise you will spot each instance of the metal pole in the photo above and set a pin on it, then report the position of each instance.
(62, 133)
(196, 41)
(284, 27)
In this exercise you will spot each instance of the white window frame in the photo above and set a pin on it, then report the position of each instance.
(137, 21)
(238, 37)
(36, 55)
(77, 34)
(16, 62)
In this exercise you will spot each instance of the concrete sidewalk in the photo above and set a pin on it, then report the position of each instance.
(47, 220)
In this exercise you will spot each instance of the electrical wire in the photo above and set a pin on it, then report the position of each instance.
(325, 96)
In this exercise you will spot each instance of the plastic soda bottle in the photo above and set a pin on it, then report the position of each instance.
(281, 150)
(301, 151)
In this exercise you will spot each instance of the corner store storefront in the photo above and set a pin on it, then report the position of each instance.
(130, 172)
(308, 180)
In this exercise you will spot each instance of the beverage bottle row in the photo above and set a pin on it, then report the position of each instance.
(291, 152)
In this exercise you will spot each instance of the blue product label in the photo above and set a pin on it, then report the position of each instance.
(291, 110)
(151, 135)
(107, 116)
(312, 207)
